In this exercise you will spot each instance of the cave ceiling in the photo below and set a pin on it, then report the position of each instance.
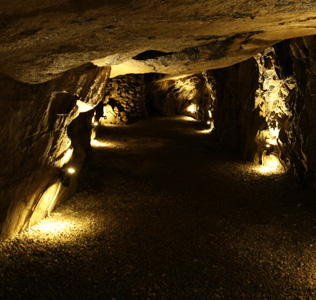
(40, 39)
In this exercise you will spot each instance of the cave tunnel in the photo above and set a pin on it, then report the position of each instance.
(155, 150)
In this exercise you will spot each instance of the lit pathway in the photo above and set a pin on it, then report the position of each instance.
(162, 213)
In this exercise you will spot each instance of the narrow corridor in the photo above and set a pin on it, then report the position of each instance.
(163, 212)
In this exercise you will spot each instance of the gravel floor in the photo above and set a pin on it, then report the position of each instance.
(164, 213)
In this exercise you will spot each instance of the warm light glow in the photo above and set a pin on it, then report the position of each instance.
(67, 156)
(45, 203)
(192, 108)
(270, 161)
(208, 122)
(98, 144)
(265, 170)
(71, 170)
(268, 170)
(83, 107)
(274, 132)
(273, 136)
(94, 121)
(61, 227)
(210, 114)
(270, 164)
(206, 131)
(52, 227)
(54, 199)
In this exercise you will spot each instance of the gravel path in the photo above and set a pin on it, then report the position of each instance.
(164, 213)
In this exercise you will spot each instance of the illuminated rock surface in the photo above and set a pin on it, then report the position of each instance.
(35, 133)
(40, 40)
(46, 50)
(163, 213)
(124, 101)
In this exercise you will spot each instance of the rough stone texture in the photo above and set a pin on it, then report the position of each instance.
(235, 119)
(254, 108)
(34, 122)
(125, 100)
(273, 101)
(300, 136)
(184, 96)
(42, 39)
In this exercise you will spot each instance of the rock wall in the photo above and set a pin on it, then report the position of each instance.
(298, 57)
(124, 100)
(236, 120)
(273, 99)
(189, 96)
(254, 109)
(36, 149)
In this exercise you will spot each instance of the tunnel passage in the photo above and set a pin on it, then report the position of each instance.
(162, 167)
(198, 202)
(261, 108)
(164, 212)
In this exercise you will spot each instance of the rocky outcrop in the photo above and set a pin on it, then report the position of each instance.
(41, 40)
(36, 148)
(124, 101)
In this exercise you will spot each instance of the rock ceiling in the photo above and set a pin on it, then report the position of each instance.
(43, 38)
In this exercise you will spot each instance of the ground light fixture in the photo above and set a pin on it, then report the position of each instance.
(71, 171)
(65, 176)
